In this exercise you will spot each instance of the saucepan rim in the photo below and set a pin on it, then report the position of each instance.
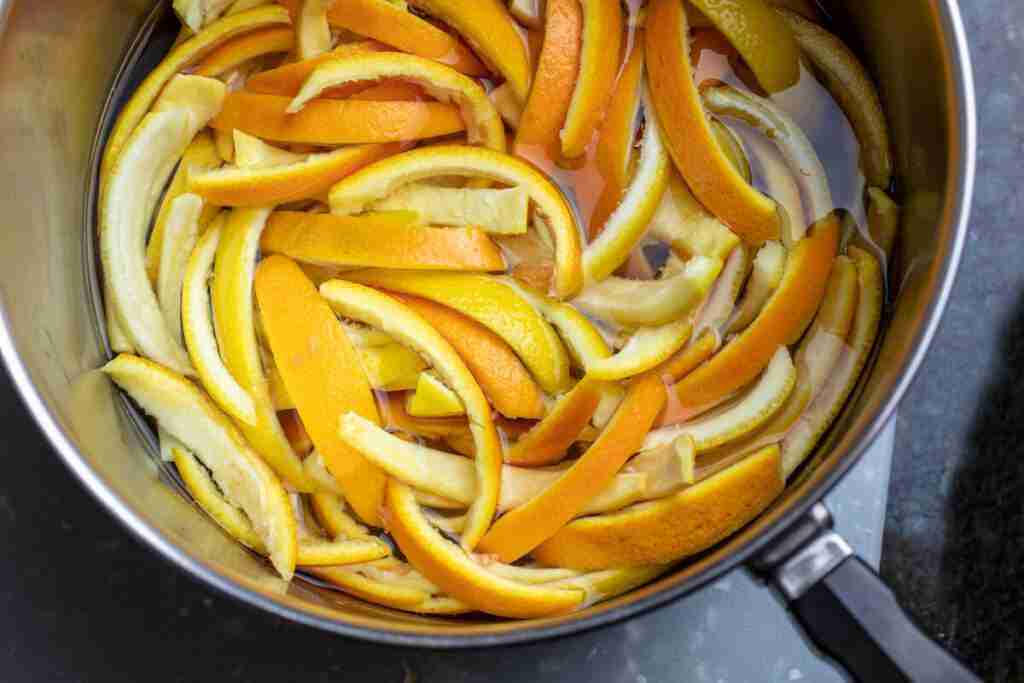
(960, 184)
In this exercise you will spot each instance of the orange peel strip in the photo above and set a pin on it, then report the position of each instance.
(379, 310)
(502, 376)
(614, 148)
(184, 411)
(599, 65)
(647, 348)
(379, 240)
(483, 123)
(234, 316)
(324, 379)
(521, 530)
(826, 338)
(493, 302)
(455, 572)
(288, 78)
(491, 31)
(781, 322)
(126, 206)
(628, 223)
(792, 142)
(802, 438)
(760, 35)
(336, 122)
(667, 529)
(245, 47)
(448, 481)
(356, 192)
(883, 220)
(548, 441)
(551, 93)
(636, 303)
(851, 86)
(180, 57)
(739, 418)
(766, 274)
(690, 138)
(200, 338)
(201, 155)
(394, 26)
(305, 179)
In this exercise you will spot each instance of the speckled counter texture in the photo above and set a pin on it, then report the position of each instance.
(81, 600)
(954, 537)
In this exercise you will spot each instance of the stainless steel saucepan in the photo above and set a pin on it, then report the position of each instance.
(60, 62)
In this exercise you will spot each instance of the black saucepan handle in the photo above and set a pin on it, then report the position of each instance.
(849, 612)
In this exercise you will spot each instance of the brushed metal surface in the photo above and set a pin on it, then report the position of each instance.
(58, 62)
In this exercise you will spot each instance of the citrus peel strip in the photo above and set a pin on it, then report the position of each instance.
(252, 153)
(381, 240)
(791, 141)
(308, 178)
(826, 406)
(488, 27)
(432, 398)
(548, 441)
(204, 491)
(394, 26)
(496, 211)
(682, 223)
(336, 122)
(236, 52)
(740, 418)
(316, 552)
(599, 65)
(201, 155)
(668, 529)
(379, 310)
(445, 564)
(765, 276)
(851, 86)
(179, 239)
(781, 322)
(637, 303)
(231, 293)
(180, 57)
(689, 137)
(614, 148)
(449, 479)
(667, 468)
(826, 338)
(584, 342)
(127, 201)
(356, 192)
(492, 302)
(761, 36)
(537, 135)
(503, 378)
(186, 413)
(324, 378)
(287, 79)
(520, 530)
(200, 338)
(392, 367)
(483, 123)
(647, 348)
(628, 222)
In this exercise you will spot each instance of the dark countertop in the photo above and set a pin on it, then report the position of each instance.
(85, 601)
(955, 525)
